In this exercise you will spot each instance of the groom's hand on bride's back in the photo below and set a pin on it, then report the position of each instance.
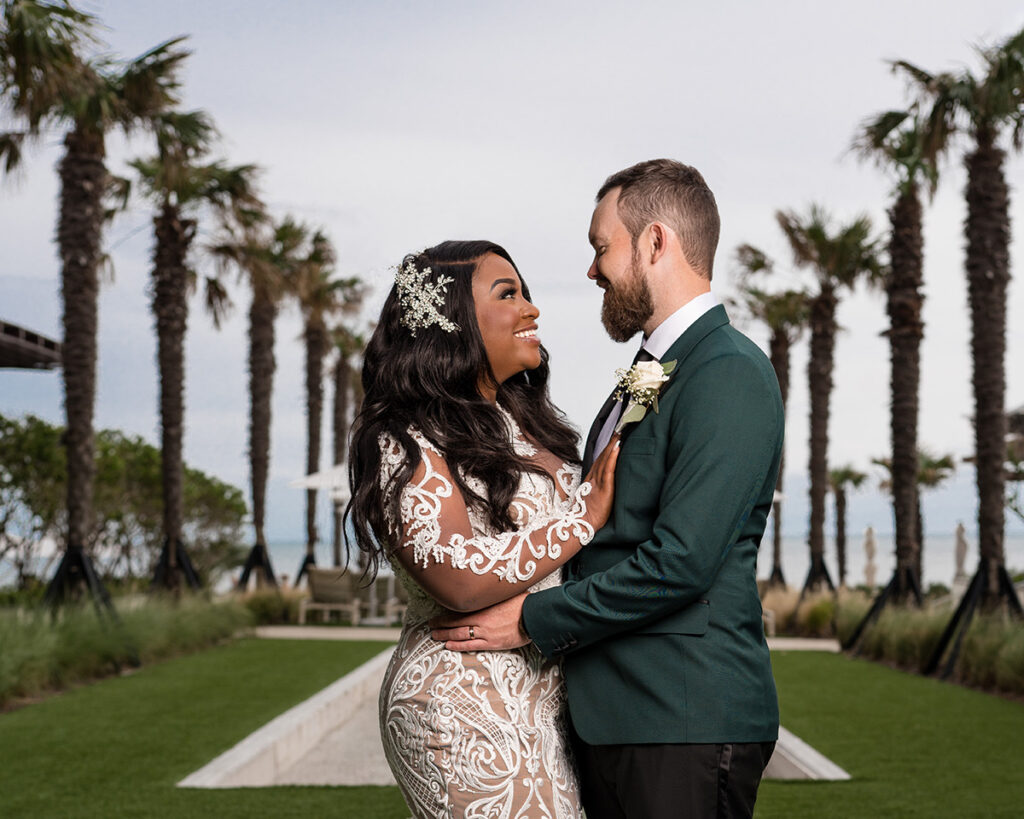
(496, 628)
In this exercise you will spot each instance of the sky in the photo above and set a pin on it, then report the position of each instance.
(396, 125)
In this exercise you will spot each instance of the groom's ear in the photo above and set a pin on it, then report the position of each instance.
(657, 241)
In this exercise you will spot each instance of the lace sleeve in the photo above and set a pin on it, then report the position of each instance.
(462, 567)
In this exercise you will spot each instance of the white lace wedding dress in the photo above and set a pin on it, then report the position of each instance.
(479, 734)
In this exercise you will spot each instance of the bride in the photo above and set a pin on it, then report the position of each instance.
(466, 479)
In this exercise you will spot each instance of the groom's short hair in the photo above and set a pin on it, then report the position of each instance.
(663, 190)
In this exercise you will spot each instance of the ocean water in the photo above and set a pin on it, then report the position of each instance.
(938, 559)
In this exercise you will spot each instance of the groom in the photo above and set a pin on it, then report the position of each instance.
(669, 682)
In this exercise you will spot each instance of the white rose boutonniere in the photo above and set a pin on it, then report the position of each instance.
(641, 383)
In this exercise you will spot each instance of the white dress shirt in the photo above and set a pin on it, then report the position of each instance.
(657, 344)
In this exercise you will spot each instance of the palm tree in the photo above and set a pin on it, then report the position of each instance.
(179, 187)
(838, 480)
(983, 106)
(785, 314)
(348, 395)
(320, 297)
(267, 255)
(838, 260)
(904, 145)
(49, 81)
(930, 471)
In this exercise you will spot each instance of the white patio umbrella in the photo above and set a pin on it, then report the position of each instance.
(334, 479)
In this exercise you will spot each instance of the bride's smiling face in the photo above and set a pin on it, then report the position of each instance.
(507, 321)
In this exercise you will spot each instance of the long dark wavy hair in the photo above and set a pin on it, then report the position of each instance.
(430, 382)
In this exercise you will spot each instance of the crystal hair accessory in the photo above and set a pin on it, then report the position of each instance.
(420, 299)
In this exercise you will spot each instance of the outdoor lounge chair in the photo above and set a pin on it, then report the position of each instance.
(332, 590)
(396, 600)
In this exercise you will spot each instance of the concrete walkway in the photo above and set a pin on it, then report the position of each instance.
(386, 633)
(391, 635)
(803, 644)
(334, 737)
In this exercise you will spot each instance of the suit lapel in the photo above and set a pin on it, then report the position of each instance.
(713, 319)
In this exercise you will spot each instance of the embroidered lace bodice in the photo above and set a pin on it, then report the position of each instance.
(478, 734)
(433, 522)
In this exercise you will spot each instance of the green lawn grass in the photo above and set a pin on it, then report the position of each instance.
(117, 748)
(913, 746)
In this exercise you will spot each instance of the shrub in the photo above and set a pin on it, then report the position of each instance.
(850, 610)
(1010, 663)
(981, 647)
(816, 620)
(904, 636)
(273, 606)
(44, 653)
(991, 653)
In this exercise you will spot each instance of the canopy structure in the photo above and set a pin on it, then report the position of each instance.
(334, 479)
(25, 350)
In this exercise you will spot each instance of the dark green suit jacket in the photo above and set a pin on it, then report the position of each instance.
(659, 619)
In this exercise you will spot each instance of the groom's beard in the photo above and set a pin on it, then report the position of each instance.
(627, 306)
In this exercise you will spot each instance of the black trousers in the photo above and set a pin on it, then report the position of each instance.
(670, 781)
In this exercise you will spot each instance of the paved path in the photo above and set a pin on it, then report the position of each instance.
(803, 644)
(352, 753)
(386, 633)
(390, 634)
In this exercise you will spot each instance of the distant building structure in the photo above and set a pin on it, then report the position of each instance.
(23, 349)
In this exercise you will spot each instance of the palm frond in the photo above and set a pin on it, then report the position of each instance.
(11, 144)
(183, 135)
(843, 476)
(839, 257)
(217, 300)
(918, 76)
(116, 196)
(148, 85)
(875, 134)
(752, 261)
(41, 44)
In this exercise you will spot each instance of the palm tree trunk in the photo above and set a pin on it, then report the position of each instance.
(83, 178)
(819, 375)
(988, 233)
(779, 355)
(840, 495)
(262, 314)
(316, 349)
(170, 307)
(342, 391)
(906, 329)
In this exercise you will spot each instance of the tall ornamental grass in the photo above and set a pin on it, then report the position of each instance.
(272, 607)
(905, 636)
(991, 653)
(40, 653)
